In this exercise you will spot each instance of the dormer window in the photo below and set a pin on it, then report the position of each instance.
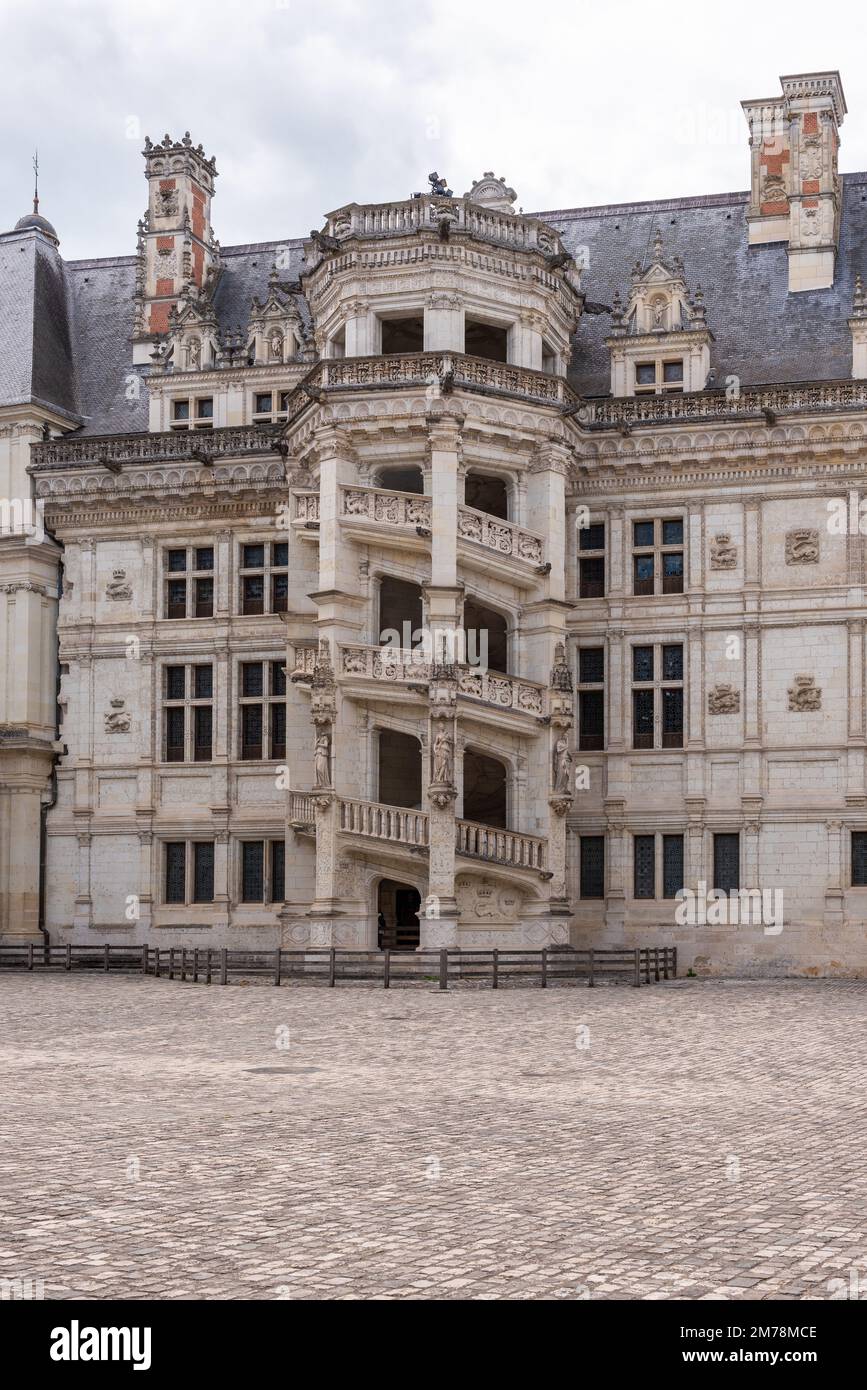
(658, 377)
(196, 414)
(269, 406)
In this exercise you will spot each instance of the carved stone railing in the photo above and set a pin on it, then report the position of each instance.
(503, 537)
(378, 220)
(506, 692)
(303, 662)
(393, 665)
(301, 809)
(306, 507)
(378, 822)
(166, 445)
(756, 402)
(407, 666)
(385, 506)
(430, 369)
(501, 846)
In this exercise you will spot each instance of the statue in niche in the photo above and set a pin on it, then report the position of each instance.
(322, 760)
(562, 766)
(194, 354)
(276, 346)
(443, 759)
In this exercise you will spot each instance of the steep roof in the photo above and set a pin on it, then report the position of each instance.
(66, 329)
(37, 356)
(762, 332)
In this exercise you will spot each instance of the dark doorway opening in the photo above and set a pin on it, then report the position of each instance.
(400, 610)
(397, 910)
(484, 340)
(401, 479)
(399, 769)
(403, 335)
(485, 799)
(486, 494)
(486, 630)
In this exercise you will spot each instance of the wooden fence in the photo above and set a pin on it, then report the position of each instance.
(209, 965)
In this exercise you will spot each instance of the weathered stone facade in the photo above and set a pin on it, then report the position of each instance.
(384, 620)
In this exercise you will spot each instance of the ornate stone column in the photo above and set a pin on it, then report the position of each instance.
(439, 914)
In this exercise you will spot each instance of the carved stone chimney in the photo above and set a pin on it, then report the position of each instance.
(858, 326)
(794, 186)
(177, 253)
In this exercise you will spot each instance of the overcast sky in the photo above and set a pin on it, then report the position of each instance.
(308, 105)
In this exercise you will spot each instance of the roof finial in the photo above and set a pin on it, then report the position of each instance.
(36, 181)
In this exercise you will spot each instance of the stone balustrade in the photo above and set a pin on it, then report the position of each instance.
(376, 821)
(301, 808)
(412, 665)
(161, 446)
(390, 664)
(306, 507)
(433, 370)
(303, 662)
(379, 220)
(385, 507)
(501, 846)
(756, 402)
(506, 692)
(503, 537)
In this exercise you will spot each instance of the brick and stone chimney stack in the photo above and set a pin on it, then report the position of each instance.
(177, 254)
(795, 187)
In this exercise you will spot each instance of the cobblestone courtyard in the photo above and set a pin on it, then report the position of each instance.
(161, 1141)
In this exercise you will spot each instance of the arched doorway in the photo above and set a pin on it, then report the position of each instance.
(485, 790)
(397, 906)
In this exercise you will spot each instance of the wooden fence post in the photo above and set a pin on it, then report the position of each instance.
(144, 960)
(332, 966)
(591, 983)
(105, 951)
(386, 968)
(208, 965)
(544, 967)
(674, 961)
(30, 955)
(444, 969)
(184, 963)
(171, 962)
(157, 962)
(68, 955)
(224, 965)
(277, 966)
(495, 983)
(637, 981)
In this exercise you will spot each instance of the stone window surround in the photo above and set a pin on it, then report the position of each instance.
(267, 571)
(658, 549)
(189, 869)
(266, 700)
(659, 837)
(270, 416)
(673, 639)
(195, 421)
(189, 575)
(236, 870)
(189, 702)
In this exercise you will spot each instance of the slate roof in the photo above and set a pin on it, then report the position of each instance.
(762, 333)
(65, 328)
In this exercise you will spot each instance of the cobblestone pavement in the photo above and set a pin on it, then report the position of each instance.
(160, 1141)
